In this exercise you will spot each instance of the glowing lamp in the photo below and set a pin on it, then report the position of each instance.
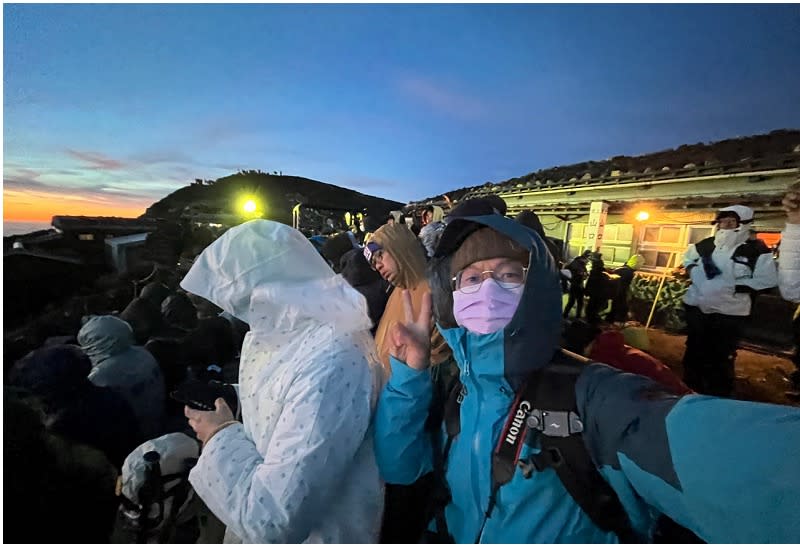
(641, 216)
(249, 206)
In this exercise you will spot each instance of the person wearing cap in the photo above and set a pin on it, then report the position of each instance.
(495, 298)
(789, 270)
(726, 270)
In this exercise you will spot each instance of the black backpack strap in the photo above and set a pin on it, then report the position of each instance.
(748, 253)
(705, 247)
(555, 417)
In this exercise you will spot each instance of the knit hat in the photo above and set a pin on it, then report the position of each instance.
(484, 244)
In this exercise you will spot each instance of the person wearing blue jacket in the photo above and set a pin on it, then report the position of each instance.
(726, 470)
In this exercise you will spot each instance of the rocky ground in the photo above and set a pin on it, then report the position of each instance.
(760, 376)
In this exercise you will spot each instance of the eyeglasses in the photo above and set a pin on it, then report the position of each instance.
(509, 276)
(373, 253)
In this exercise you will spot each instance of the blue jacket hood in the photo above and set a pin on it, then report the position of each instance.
(532, 337)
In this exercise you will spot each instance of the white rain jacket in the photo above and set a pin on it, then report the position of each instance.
(301, 467)
(789, 263)
(718, 295)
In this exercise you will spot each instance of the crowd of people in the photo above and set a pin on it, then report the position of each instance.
(405, 386)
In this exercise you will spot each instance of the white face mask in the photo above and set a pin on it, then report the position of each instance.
(727, 239)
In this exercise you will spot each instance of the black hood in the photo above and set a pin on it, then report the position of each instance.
(356, 270)
(532, 337)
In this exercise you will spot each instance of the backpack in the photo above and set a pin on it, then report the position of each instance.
(747, 253)
(547, 405)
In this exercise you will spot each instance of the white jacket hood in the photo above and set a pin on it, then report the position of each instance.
(272, 268)
(301, 466)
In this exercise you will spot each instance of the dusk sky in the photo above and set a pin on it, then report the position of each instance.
(108, 108)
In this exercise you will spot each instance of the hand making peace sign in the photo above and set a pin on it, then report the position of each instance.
(411, 339)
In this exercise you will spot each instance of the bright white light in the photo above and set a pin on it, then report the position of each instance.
(641, 216)
(249, 206)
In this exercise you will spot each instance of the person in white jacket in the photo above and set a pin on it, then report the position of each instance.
(789, 272)
(301, 465)
(726, 270)
(789, 263)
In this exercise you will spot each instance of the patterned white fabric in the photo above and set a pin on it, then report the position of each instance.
(789, 263)
(301, 467)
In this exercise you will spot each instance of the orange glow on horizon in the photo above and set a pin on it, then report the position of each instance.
(38, 206)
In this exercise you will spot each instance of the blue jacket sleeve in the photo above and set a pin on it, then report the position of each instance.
(402, 445)
(725, 469)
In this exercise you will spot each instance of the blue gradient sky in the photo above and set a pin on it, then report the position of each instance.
(117, 105)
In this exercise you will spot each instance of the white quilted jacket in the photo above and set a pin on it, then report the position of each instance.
(301, 468)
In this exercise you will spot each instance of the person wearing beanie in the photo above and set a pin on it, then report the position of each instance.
(727, 270)
(536, 445)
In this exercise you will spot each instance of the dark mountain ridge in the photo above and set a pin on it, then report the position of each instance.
(277, 194)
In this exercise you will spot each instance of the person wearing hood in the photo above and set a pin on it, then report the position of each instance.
(430, 234)
(300, 467)
(690, 457)
(357, 271)
(131, 370)
(74, 408)
(726, 271)
(399, 258)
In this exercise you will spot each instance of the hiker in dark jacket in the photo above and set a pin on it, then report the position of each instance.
(144, 317)
(579, 273)
(597, 289)
(55, 490)
(619, 301)
(357, 271)
(179, 318)
(700, 460)
(129, 369)
(75, 408)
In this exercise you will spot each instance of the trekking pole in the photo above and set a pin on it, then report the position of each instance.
(149, 493)
(658, 292)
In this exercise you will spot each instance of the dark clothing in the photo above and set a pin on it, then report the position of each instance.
(619, 302)
(336, 246)
(144, 317)
(178, 311)
(576, 290)
(56, 491)
(357, 271)
(74, 408)
(597, 290)
(711, 343)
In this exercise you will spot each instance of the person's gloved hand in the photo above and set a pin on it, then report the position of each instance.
(206, 423)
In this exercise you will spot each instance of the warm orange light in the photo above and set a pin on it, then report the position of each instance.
(641, 216)
(29, 205)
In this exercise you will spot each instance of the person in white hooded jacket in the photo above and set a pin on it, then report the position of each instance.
(301, 467)
(726, 271)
